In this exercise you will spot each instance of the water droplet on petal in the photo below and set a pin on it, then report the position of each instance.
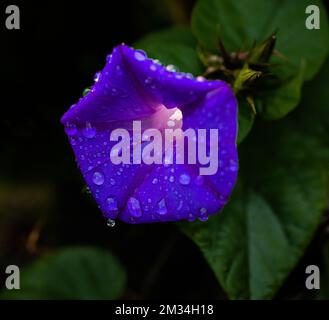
(148, 81)
(233, 166)
(200, 79)
(180, 205)
(140, 55)
(153, 67)
(114, 92)
(108, 57)
(73, 141)
(155, 181)
(96, 77)
(88, 131)
(170, 68)
(162, 208)
(134, 207)
(70, 128)
(110, 223)
(112, 182)
(112, 205)
(98, 178)
(184, 179)
(171, 178)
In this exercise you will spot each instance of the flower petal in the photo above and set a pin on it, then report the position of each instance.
(175, 192)
(133, 87)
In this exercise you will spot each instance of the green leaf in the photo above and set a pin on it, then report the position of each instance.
(72, 273)
(282, 192)
(238, 23)
(278, 101)
(175, 46)
(245, 120)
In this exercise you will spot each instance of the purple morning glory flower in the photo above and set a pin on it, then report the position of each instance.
(133, 87)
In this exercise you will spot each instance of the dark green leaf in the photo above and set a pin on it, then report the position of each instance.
(283, 190)
(175, 46)
(72, 273)
(238, 23)
(245, 120)
(278, 101)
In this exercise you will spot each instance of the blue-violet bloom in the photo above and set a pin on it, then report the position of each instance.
(133, 87)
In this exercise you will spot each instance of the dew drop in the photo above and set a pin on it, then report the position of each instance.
(98, 178)
(233, 166)
(73, 141)
(96, 77)
(108, 57)
(112, 205)
(114, 92)
(170, 68)
(153, 67)
(184, 179)
(148, 81)
(112, 182)
(140, 55)
(134, 207)
(155, 181)
(110, 223)
(171, 178)
(70, 128)
(162, 208)
(89, 131)
(180, 205)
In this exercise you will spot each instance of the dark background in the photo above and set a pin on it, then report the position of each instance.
(44, 68)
